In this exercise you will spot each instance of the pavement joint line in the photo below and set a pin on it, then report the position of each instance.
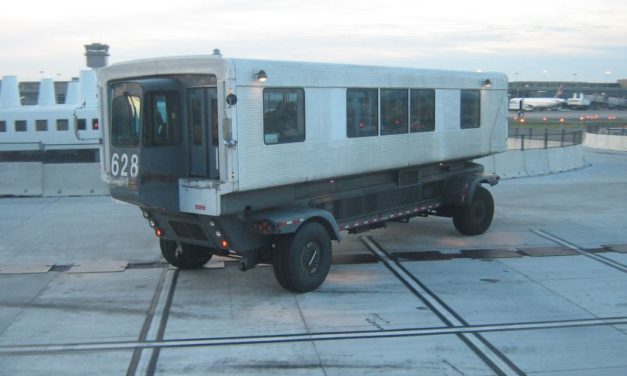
(163, 321)
(490, 355)
(289, 338)
(147, 329)
(604, 260)
(396, 256)
(156, 322)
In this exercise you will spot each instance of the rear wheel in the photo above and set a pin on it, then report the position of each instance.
(302, 261)
(184, 256)
(475, 218)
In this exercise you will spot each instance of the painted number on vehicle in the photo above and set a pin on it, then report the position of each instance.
(122, 165)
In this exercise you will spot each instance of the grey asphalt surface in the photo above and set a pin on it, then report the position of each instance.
(543, 292)
(590, 116)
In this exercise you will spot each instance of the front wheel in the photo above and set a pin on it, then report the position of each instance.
(183, 255)
(476, 217)
(302, 261)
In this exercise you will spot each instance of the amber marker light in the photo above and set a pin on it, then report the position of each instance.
(224, 243)
(159, 232)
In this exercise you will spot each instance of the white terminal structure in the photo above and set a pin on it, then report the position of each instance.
(48, 125)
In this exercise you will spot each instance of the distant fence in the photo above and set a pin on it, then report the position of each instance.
(534, 138)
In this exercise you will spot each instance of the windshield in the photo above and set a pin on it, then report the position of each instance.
(125, 117)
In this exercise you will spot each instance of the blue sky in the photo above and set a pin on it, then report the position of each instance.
(528, 40)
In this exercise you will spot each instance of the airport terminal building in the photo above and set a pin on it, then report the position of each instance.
(594, 95)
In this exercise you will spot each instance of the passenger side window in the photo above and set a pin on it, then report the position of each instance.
(422, 110)
(41, 125)
(393, 111)
(283, 116)
(362, 112)
(470, 109)
(20, 126)
(62, 124)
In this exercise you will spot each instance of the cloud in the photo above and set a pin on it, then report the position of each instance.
(445, 33)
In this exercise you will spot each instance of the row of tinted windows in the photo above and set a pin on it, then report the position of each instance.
(402, 111)
(42, 125)
(394, 111)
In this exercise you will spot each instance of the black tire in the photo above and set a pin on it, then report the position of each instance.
(475, 218)
(302, 261)
(184, 256)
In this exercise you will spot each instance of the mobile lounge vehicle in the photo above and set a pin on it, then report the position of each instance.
(273, 160)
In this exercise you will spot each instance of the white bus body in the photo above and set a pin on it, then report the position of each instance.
(326, 152)
(228, 162)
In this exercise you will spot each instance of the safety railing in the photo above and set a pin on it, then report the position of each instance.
(530, 138)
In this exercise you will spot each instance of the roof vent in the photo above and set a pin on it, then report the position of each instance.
(216, 52)
(10, 93)
(47, 96)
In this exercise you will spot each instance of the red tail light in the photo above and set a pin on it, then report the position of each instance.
(159, 231)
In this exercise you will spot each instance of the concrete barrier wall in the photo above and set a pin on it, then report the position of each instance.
(21, 178)
(519, 163)
(63, 179)
(536, 162)
(605, 141)
(73, 179)
(565, 159)
(510, 164)
(83, 179)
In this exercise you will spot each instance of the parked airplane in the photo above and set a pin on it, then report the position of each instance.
(531, 104)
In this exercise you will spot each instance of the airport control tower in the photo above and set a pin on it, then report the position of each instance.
(97, 55)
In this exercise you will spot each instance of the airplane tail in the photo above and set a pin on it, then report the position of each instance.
(560, 91)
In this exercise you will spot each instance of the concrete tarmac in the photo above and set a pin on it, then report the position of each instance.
(544, 291)
(589, 116)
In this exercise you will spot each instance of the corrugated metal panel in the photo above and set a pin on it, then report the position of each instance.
(326, 152)
(282, 73)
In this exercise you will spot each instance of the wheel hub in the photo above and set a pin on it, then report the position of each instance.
(310, 257)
